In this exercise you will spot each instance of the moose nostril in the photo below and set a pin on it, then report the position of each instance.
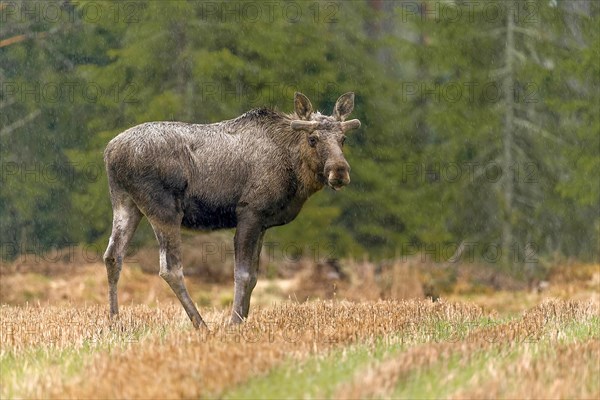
(337, 170)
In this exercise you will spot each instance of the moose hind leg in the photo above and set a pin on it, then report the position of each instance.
(126, 217)
(171, 270)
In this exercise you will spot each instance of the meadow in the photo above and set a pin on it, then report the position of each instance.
(452, 265)
(58, 342)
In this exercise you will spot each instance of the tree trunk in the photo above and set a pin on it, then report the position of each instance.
(509, 116)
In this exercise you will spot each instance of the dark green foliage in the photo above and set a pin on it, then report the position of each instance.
(426, 164)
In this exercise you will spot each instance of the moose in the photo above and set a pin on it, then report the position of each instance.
(249, 173)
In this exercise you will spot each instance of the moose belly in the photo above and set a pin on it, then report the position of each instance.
(201, 214)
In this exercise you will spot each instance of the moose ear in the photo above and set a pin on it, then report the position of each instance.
(343, 106)
(302, 106)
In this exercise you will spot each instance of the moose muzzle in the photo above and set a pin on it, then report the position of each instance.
(337, 174)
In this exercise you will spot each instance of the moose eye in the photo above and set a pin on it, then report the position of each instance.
(312, 140)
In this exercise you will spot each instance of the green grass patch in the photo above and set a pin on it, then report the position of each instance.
(17, 368)
(444, 379)
(579, 330)
(316, 377)
(320, 376)
(25, 366)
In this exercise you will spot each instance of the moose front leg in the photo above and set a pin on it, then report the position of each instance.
(247, 245)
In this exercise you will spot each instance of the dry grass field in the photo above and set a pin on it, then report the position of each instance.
(56, 341)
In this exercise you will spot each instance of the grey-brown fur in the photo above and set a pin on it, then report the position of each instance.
(252, 172)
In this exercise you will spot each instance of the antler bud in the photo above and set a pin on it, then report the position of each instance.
(304, 125)
(348, 125)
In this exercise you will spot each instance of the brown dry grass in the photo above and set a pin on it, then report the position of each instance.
(553, 376)
(152, 353)
(77, 352)
(209, 255)
(77, 275)
(63, 344)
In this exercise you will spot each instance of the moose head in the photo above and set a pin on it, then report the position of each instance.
(325, 136)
